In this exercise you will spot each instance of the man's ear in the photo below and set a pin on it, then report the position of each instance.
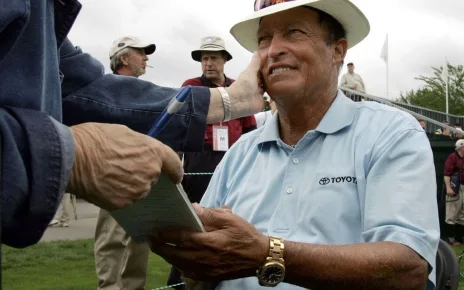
(340, 48)
(124, 60)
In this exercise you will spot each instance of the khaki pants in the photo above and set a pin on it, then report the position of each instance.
(454, 208)
(62, 215)
(120, 262)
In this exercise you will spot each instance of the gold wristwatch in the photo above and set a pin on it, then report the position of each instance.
(272, 272)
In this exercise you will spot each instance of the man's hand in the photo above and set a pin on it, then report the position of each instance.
(246, 93)
(115, 166)
(231, 248)
(450, 191)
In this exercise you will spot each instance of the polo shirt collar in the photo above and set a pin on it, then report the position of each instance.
(340, 115)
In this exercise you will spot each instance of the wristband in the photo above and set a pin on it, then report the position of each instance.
(226, 103)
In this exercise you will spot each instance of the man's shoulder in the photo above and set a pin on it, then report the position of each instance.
(381, 118)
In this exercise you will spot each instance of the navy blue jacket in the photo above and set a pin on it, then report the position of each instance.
(44, 82)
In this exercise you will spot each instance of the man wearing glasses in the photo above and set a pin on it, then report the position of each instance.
(320, 197)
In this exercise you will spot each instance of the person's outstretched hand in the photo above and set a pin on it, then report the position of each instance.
(115, 166)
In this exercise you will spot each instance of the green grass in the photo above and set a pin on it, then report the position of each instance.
(66, 265)
(458, 251)
(70, 265)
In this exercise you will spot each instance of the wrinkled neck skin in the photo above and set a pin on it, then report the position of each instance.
(302, 113)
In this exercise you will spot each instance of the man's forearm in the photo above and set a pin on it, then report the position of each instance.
(383, 265)
(448, 181)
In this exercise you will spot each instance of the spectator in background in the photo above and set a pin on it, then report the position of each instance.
(423, 124)
(444, 131)
(213, 56)
(454, 179)
(352, 80)
(120, 262)
(62, 216)
(457, 126)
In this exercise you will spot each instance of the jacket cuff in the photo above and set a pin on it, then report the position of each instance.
(67, 151)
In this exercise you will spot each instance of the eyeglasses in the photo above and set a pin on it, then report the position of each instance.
(261, 4)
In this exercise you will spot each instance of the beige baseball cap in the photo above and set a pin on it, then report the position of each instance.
(459, 144)
(131, 41)
(211, 43)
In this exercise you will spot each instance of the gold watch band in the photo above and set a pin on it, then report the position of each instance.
(276, 249)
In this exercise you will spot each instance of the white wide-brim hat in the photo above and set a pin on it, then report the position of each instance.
(350, 17)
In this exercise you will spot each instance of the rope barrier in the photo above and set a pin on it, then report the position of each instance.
(169, 286)
(199, 173)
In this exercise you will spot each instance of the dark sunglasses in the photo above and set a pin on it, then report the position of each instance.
(261, 4)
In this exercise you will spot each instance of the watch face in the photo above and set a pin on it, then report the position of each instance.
(273, 274)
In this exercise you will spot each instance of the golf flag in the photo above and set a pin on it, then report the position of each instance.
(384, 52)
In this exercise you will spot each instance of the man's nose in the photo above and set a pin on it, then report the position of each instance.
(145, 58)
(277, 47)
(209, 62)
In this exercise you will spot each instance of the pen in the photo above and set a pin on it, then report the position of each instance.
(171, 109)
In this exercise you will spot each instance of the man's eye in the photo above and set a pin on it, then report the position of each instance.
(263, 40)
(293, 31)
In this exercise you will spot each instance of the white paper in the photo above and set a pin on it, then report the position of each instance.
(166, 206)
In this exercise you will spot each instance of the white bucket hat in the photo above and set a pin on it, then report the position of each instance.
(130, 41)
(350, 17)
(211, 43)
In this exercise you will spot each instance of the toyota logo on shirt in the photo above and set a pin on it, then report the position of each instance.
(324, 181)
(340, 179)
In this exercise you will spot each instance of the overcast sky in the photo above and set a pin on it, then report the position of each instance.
(421, 34)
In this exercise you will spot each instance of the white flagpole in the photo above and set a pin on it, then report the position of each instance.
(447, 77)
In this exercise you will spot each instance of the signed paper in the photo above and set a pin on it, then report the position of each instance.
(166, 206)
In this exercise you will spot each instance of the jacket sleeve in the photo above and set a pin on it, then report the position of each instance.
(37, 156)
(89, 95)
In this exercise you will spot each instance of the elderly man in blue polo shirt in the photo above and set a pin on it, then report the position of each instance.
(321, 197)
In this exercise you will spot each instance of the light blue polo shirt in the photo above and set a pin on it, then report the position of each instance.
(366, 174)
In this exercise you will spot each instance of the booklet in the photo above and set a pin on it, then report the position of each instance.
(165, 206)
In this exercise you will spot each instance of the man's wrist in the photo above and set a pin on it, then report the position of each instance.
(73, 177)
(238, 108)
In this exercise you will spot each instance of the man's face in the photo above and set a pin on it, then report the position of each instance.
(136, 61)
(212, 64)
(422, 123)
(351, 68)
(295, 55)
